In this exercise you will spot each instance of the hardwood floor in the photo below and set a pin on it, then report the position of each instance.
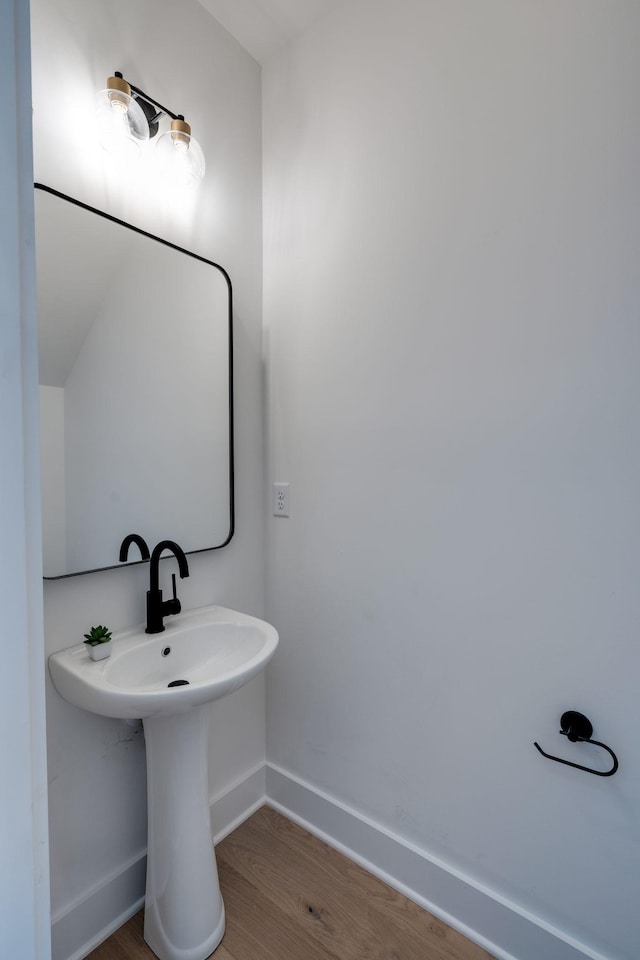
(288, 896)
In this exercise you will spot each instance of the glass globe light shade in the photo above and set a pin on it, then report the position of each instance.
(180, 155)
(122, 126)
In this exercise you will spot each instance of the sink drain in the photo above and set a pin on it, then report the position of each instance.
(178, 683)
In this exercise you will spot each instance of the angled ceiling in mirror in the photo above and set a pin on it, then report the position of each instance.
(135, 340)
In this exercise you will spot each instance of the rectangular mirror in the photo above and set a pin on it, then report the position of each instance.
(136, 412)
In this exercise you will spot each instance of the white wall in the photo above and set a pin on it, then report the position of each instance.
(24, 893)
(52, 472)
(175, 51)
(451, 317)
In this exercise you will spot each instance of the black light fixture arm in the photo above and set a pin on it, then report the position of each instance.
(146, 102)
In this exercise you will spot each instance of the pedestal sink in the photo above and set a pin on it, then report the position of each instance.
(167, 680)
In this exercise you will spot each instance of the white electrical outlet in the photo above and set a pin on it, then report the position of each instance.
(281, 499)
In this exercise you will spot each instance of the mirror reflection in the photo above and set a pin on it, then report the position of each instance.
(135, 389)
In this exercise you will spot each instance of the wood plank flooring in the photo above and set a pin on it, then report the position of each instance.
(288, 896)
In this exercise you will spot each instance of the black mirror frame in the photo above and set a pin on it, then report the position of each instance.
(211, 263)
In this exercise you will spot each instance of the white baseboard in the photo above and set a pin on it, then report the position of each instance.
(237, 802)
(87, 921)
(503, 928)
(83, 924)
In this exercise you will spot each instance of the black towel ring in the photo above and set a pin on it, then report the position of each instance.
(577, 728)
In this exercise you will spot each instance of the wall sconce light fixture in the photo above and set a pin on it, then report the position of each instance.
(128, 118)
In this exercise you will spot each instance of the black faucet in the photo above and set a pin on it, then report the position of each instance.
(157, 608)
(139, 541)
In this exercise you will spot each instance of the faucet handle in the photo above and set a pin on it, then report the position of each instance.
(176, 606)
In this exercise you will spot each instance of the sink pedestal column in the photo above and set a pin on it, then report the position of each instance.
(184, 913)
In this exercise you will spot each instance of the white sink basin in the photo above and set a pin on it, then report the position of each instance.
(214, 649)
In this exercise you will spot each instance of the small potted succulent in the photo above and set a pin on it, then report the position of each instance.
(98, 642)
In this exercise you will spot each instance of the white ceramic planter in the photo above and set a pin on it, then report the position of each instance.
(99, 651)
